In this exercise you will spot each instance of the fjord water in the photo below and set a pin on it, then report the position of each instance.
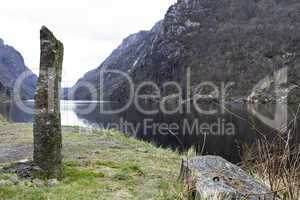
(223, 133)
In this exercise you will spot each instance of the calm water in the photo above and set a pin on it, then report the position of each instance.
(222, 133)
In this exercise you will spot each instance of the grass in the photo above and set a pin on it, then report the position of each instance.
(2, 119)
(104, 164)
(98, 164)
(278, 165)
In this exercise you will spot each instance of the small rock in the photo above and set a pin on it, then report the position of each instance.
(4, 183)
(38, 182)
(14, 180)
(142, 150)
(81, 157)
(37, 168)
(97, 152)
(23, 161)
(26, 183)
(53, 182)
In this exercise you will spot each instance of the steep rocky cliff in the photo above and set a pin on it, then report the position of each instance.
(11, 68)
(219, 41)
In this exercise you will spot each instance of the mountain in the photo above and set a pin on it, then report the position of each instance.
(218, 41)
(125, 58)
(11, 68)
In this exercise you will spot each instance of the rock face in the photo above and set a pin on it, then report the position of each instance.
(47, 125)
(219, 41)
(11, 67)
(217, 179)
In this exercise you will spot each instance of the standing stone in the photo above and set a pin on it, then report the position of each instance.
(47, 124)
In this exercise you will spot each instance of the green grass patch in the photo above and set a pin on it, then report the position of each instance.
(2, 119)
(128, 171)
(99, 165)
(72, 174)
(109, 164)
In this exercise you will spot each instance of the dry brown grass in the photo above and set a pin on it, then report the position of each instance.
(2, 119)
(277, 163)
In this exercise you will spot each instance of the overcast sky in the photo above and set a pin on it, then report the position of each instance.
(89, 29)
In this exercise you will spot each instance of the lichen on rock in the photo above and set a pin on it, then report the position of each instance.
(47, 124)
(215, 178)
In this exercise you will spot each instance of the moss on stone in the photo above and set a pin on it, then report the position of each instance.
(47, 123)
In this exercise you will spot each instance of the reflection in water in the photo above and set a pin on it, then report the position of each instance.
(220, 134)
(275, 116)
(69, 116)
(13, 113)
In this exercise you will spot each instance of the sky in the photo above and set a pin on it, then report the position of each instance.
(89, 29)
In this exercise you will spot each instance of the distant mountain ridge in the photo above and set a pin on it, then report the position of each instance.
(12, 66)
(219, 41)
(124, 58)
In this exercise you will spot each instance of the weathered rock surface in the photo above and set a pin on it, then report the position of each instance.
(214, 178)
(11, 67)
(38, 182)
(220, 41)
(4, 183)
(14, 179)
(25, 170)
(52, 182)
(47, 124)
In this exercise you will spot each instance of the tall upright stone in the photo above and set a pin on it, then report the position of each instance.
(47, 122)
